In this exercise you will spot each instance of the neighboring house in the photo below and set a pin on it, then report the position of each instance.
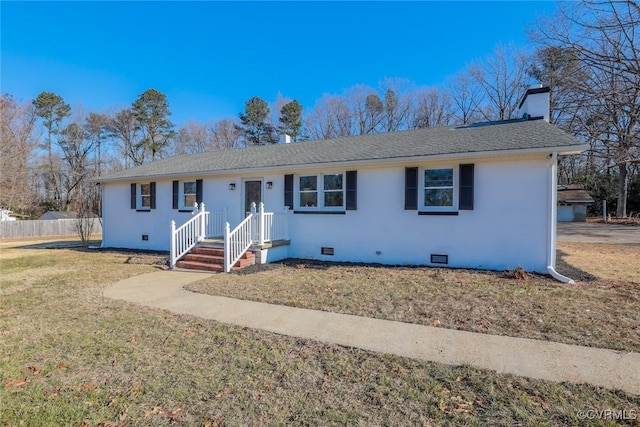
(572, 203)
(479, 196)
(5, 215)
(54, 215)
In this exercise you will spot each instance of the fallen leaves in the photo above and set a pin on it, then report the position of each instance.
(450, 404)
(225, 392)
(17, 383)
(171, 415)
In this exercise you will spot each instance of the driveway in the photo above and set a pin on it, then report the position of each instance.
(585, 232)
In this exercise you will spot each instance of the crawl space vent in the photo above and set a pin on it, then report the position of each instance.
(439, 259)
(326, 251)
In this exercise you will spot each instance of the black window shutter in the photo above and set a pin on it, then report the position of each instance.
(288, 191)
(176, 194)
(152, 198)
(352, 190)
(198, 191)
(133, 196)
(411, 189)
(466, 187)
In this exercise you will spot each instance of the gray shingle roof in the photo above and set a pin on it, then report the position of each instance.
(573, 194)
(479, 138)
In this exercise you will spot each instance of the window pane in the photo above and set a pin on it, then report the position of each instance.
(308, 183)
(145, 189)
(333, 198)
(189, 188)
(146, 201)
(438, 197)
(309, 200)
(333, 182)
(189, 200)
(438, 178)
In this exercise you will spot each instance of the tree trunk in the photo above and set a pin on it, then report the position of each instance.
(623, 187)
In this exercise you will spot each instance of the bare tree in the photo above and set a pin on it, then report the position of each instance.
(503, 79)
(466, 97)
(432, 108)
(123, 127)
(397, 94)
(603, 36)
(196, 137)
(192, 137)
(17, 123)
(96, 128)
(76, 147)
(224, 135)
(85, 224)
(365, 109)
(329, 118)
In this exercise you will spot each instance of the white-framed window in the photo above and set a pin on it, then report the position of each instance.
(439, 189)
(308, 191)
(144, 196)
(187, 194)
(320, 192)
(333, 190)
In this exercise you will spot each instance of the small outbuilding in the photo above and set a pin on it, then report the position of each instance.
(572, 203)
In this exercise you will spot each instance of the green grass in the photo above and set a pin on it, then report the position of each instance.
(70, 357)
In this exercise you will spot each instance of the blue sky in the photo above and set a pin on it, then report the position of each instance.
(210, 57)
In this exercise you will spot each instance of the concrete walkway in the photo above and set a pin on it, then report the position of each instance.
(524, 357)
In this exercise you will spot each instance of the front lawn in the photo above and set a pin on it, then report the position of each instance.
(69, 356)
(602, 310)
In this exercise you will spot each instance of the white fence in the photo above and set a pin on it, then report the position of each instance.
(43, 228)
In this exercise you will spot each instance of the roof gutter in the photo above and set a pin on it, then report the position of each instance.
(571, 149)
(552, 234)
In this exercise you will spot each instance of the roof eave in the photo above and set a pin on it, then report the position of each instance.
(560, 150)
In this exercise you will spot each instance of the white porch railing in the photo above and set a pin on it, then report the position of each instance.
(215, 223)
(269, 226)
(259, 227)
(185, 237)
(236, 242)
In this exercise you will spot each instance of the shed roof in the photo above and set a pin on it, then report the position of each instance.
(573, 194)
(492, 137)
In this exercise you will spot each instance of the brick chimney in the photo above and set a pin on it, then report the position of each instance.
(535, 103)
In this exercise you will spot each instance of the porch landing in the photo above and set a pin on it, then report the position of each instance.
(218, 242)
(208, 255)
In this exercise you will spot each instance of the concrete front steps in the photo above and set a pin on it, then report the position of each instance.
(212, 259)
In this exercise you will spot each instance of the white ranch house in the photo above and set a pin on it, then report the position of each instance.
(481, 196)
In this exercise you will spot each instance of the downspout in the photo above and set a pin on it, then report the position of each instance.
(553, 217)
(102, 213)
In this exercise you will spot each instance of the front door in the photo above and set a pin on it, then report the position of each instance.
(252, 194)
